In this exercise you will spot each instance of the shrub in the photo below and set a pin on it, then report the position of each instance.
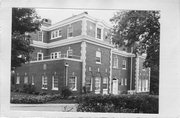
(118, 104)
(66, 92)
(28, 88)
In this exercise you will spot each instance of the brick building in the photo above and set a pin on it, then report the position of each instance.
(77, 52)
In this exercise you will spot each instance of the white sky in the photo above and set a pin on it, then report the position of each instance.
(57, 15)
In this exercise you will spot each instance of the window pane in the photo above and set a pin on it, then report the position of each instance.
(98, 33)
(97, 83)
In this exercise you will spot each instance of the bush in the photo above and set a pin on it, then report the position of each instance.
(66, 92)
(118, 104)
(28, 88)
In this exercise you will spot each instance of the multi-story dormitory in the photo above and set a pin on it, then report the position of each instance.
(77, 52)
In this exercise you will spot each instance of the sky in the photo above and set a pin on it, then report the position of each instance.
(57, 15)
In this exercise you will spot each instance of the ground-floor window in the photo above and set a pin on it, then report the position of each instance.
(44, 82)
(18, 80)
(55, 82)
(73, 83)
(97, 85)
(32, 80)
(89, 81)
(26, 80)
(105, 83)
(125, 83)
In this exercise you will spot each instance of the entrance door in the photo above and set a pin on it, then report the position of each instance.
(115, 86)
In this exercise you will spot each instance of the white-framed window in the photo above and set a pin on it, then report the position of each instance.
(44, 82)
(54, 55)
(70, 31)
(99, 33)
(124, 64)
(18, 79)
(125, 82)
(122, 82)
(89, 81)
(32, 81)
(146, 89)
(105, 83)
(73, 83)
(59, 54)
(40, 36)
(39, 56)
(56, 34)
(25, 79)
(97, 85)
(55, 82)
(98, 57)
(115, 64)
(69, 53)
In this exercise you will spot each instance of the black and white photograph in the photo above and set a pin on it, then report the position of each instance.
(87, 60)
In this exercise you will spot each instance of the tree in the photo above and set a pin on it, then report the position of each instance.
(23, 21)
(140, 29)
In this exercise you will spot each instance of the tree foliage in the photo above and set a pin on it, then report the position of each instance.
(140, 29)
(23, 20)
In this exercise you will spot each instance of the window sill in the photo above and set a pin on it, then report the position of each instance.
(44, 88)
(74, 89)
(98, 62)
(115, 68)
(55, 89)
(123, 68)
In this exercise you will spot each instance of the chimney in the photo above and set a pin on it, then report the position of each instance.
(46, 22)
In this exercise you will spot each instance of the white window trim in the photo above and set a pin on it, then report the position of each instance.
(99, 90)
(75, 88)
(100, 57)
(69, 51)
(69, 32)
(38, 56)
(107, 83)
(53, 53)
(18, 80)
(32, 80)
(122, 82)
(43, 77)
(115, 65)
(99, 27)
(53, 87)
(125, 82)
(124, 63)
(54, 32)
(42, 36)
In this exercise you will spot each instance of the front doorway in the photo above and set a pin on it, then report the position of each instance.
(115, 86)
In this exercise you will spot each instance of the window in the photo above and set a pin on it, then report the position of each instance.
(99, 33)
(40, 36)
(59, 54)
(98, 57)
(105, 83)
(97, 85)
(26, 80)
(56, 34)
(146, 89)
(39, 56)
(54, 82)
(73, 83)
(125, 82)
(18, 79)
(122, 82)
(32, 80)
(60, 33)
(115, 64)
(69, 53)
(70, 31)
(124, 64)
(89, 83)
(44, 82)
(54, 55)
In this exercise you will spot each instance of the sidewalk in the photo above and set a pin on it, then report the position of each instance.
(45, 107)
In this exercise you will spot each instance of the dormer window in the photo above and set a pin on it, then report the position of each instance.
(70, 31)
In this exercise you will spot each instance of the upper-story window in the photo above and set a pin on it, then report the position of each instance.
(26, 80)
(98, 56)
(56, 34)
(115, 64)
(99, 33)
(124, 64)
(69, 52)
(40, 36)
(70, 31)
(39, 56)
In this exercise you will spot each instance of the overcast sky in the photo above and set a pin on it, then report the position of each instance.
(57, 15)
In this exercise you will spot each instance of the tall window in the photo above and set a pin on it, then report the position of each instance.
(122, 82)
(32, 80)
(69, 53)
(139, 85)
(125, 83)
(18, 79)
(97, 85)
(44, 82)
(124, 64)
(146, 89)
(70, 31)
(89, 83)
(73, 83)
(26, 80)
(55, 82)
(59, 54)
(115, 64)
(105, 83)
(99, 32)
(40, 36)
(98, 57)
(39, 56)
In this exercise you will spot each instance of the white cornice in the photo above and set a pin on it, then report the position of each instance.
(122, 53)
